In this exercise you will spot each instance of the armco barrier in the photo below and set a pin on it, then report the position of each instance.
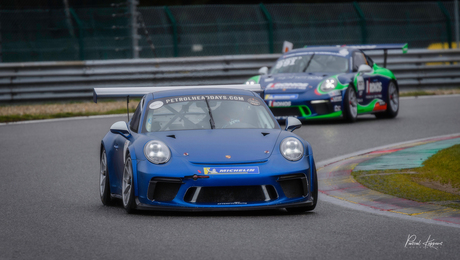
(418, 68)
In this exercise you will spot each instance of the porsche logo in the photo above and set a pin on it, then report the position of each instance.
(228, 156)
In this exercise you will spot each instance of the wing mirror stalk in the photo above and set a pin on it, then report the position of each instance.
(121, 128)
(292, 124)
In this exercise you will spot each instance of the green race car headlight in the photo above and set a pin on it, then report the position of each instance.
(250, 82)
(291, 149)
(329, 85)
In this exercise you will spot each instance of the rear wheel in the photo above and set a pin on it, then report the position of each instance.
(392, 102)
(104, 182)
(350, 105)
(128, 187)
(314, 196)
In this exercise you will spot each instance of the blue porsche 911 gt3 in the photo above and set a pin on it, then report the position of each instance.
(205, 148)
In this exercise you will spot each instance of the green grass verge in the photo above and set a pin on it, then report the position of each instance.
(15, 118)
(443, 167)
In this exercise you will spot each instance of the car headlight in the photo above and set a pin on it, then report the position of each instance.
(329, 84)
(291, 148)
(250, 82)
(157, 152)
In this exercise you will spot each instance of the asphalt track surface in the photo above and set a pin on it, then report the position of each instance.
(50, 206)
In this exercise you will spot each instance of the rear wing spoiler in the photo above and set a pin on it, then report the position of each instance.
(367, 47)
(128, 92)
(392, 46)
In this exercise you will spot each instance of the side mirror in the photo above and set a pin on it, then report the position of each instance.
(292, 124)
(121, 128)
(263, 71)
(363, 68)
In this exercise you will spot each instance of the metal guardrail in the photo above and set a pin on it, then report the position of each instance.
(418, 68)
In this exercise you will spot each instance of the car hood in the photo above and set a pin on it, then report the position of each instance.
(214, 146)
(292, 82)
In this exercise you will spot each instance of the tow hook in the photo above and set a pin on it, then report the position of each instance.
(196, 177)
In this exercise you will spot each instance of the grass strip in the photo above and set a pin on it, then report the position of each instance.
(442, 168)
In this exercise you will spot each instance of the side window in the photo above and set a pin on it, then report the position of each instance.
(358, 60)
(370, 62)
(134, 125)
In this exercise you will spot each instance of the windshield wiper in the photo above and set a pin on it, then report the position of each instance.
(308, 63)
(213, 125)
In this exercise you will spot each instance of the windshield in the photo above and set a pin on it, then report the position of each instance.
(192, 112)
(311, 63)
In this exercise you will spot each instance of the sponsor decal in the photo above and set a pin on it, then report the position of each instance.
(360, 83)
(253, 102)
(373, 96)
(156, 105)
(360, 93)
(337, 108)
(269, 79)
(373, 87)
(286, 62)
(336, 99)
(360, 100)
(203, 97)
(279, 103)
(232, 170)
(281, 96)
(334, 93)
(287, 86)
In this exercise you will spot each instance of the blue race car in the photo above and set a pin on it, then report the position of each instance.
(329, 82)
(206, 148)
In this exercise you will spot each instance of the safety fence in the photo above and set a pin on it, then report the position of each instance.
(31, 81)
(212, 30)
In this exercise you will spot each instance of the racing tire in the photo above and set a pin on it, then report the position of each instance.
(298, 210)
(392, 102)
(127, 190)
(350, 105)
(104, 182)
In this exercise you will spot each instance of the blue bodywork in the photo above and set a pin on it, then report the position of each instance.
(195, 152)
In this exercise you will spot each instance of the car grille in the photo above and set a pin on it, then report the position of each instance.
(230, 194)
(163, 189)
(290, 111)
(294, 186)
(322, 108)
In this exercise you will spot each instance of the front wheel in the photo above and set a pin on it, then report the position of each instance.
(128, 187)
(350, 105)
(104, 182)
(392, 102)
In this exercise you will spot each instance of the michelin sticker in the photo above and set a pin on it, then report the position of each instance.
(231, 170)
(279, 103)
(287, 86)
(337, 108)
(281, 96)
(156, 105)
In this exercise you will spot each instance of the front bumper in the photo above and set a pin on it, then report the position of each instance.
(158, 188)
